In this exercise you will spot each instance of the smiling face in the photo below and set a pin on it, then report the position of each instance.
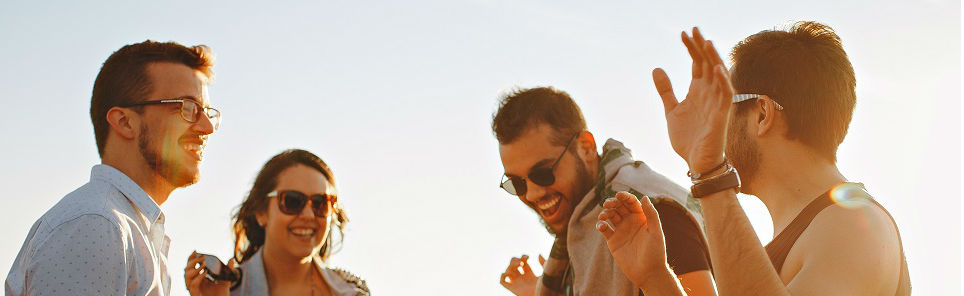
(301, 236)
(170, 145)
(553, 203)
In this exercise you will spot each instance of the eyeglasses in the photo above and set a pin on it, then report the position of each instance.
(542, 176)
(292, 202)
(190, 110)
(743, 97)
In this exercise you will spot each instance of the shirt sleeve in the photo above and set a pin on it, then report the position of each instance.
(686, 249)
(83, 256)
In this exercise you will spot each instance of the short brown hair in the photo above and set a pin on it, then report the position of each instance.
(123, 77)
(806, 70)
(522, 109)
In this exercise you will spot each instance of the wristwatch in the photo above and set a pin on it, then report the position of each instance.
(728, 179)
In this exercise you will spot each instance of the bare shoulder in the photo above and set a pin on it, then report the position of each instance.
(850, 247)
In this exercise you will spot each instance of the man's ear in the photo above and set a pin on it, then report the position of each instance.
(123, 122)
(586, 145)
(766, 116)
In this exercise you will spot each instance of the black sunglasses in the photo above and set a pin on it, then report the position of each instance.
(542, 176)
(292, 202)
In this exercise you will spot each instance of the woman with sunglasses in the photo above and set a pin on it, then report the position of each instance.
(283, 235)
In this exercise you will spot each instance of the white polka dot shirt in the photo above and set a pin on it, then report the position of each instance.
(105, 238)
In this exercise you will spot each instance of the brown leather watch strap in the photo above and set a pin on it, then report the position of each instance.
(729, 179)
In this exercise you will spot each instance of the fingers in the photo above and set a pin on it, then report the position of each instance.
(698, 36)
(665, 89)
(712, 55)
(194, 255)
(611, 216)
(542, 260)
(650, 211)
(195, 263)
(724, 85)
(526, 269)
(696, 53)
(605, 228)
(513, 268)
(614, 204)
(629, 201)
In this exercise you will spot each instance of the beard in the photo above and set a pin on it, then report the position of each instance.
(743, 152)
(164, 165)
(583, 184)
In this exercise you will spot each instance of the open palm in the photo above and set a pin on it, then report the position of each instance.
(697, 125)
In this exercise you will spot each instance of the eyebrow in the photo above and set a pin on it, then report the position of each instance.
(538, 164)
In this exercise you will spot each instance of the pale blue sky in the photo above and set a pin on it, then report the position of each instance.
(397, 98)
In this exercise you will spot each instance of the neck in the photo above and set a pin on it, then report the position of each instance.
(284, 269)
(787, 184)
(156, 186)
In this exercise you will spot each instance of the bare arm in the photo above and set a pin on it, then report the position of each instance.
(740, 263)
(697, 128)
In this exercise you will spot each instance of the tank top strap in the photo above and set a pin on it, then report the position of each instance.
(779, 248)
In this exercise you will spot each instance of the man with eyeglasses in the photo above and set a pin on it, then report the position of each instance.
(552, 166)
(776, 139)
(151, 116)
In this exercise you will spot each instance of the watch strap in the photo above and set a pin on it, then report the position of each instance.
(727, 180)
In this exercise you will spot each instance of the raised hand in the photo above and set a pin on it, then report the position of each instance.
(518, 277)
(636, 237)
(697, 125)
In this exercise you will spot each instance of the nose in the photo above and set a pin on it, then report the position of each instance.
(203, 126)
(534, 192)
(307, 210)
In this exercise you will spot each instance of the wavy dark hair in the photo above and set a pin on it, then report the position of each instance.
(249, 235)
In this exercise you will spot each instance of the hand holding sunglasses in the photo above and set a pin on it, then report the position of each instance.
(292, 202)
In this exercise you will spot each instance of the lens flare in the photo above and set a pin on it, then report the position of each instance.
(850, 195)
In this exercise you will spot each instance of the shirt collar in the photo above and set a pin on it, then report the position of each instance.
(131, 190)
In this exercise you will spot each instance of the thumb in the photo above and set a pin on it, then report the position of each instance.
(650, 211)
(542, 260)
(665, 89)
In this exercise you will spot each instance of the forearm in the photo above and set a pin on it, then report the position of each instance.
(740, 264)
(554, 271)
(662, 283)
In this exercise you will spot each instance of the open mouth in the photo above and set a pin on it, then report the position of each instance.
(195, 149)
(302, 232)
(549, 206)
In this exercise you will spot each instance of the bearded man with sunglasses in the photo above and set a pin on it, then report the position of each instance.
(769, 126)
(552, 166)
(151, 121)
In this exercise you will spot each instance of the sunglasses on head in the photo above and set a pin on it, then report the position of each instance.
(542, 176)
(292, 202)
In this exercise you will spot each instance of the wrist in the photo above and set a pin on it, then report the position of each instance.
(707, 165)
(659, 277)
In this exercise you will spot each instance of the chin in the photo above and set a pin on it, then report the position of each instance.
(184, 175)
(302, 252)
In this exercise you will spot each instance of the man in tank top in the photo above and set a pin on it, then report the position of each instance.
(778, 114)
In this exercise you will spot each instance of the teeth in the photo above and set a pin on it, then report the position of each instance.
(545, 205)
(303, 232)
(192, 147)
